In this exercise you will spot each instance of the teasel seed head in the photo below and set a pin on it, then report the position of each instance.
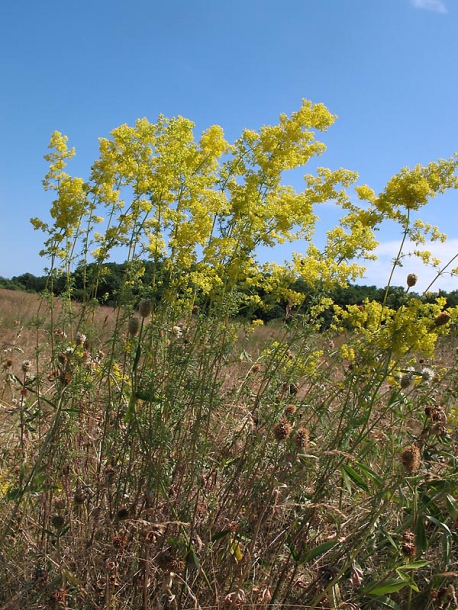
(282, 430)
(411, 459)
(133, 326)
(290, 410)
(80, 338)
(302, 438)
(406, 380)
(442, 319)
(411, 280)
(145, 308)
(58, 521)
(408, 547)
(26, 366)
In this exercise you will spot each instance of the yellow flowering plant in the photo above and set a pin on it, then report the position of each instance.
(164, 434)
(201, 208)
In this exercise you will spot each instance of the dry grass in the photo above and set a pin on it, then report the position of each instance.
(216, 466)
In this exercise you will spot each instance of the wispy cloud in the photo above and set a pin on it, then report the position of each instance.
(430, 5)
(378, 271)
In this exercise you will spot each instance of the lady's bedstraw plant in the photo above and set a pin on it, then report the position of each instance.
(201, 208)
(181, 463)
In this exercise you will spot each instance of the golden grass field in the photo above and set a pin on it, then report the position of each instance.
(206, 465)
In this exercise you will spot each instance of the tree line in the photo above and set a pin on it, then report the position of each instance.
(108, 288)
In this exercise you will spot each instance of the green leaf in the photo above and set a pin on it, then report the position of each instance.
(130, 408)
(388, 537)
(192, 558)
(13, 494)
(446, 548)
(138, 352)
(147, 396)
(71, 578)
(370, 473)
(452, 506)
(346, 480)
(236, 550)
(294, 554)
(318, 550)
(220, 535)
(389, 603)
(408, 580)
(355, 477)
(443, 526)
(335, 598)
(420, 535)
(385, 586)
(415, 565)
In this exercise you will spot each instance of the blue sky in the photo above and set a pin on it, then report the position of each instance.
(387, 68)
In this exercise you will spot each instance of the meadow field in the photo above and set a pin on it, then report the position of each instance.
(163, 454)
(205, 464)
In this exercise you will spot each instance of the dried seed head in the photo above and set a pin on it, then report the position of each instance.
(408, 547)
(59, 503)
(302, 438)
(80, 338)
(58, 521)
(65, 377)
(442, 319)
(122, 513)
(26, 366)
(291, 388)
(411, 458)
(120, 540)
(7, 363)
(133, 326)
(427, 374)
(80, 497)
(436, 414)
(411, 280)
(282, 430)
(177, 565)
(290, 410)
(145, 308)
(177, 331)
(438, 429)
(406, 379)
(110, 473)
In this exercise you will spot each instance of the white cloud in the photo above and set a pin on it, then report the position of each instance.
(430, 5)
(378, 272)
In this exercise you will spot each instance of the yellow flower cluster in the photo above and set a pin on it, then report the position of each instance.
(203, 206)
(410, 329)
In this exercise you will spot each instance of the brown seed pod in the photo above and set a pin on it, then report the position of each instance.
(145, 308)
(411, 459)
(442, 319)
(411, 280)
(282, 430)
(302, 438)
(133, 326)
